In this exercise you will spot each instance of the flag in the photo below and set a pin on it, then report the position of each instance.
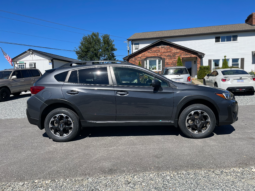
(8, 58)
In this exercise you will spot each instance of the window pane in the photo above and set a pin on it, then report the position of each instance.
(223, 39)
(159, 64)
(26, 73)
(133, 77)
(61, 77)
(228, 38)
(136, 46)
(93, 76)
(233, 72)
(35, 73)
(235, 62)
(217, 39)
(17, 74)
(234, 37)
(73, 77)
(175, 71)
(5, 74)
(153, 64)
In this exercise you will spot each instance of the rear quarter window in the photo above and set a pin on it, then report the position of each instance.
(61, 77)
(35, 73)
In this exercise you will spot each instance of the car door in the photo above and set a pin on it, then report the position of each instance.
(137, 100)
(27, 80)
(36, 74)
(91, 91)
(16, 84)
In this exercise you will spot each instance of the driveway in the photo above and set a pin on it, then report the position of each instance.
(26, 153)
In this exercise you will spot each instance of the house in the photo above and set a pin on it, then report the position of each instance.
(41, 60)
(205, 46)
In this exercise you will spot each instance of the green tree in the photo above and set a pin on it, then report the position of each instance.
(108, 48)
(179, 62)
(92, 47)
(225, 63)
(139, 64)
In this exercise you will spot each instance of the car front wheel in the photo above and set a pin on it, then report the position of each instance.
(62, 125)
(197, 121)
(4, 94)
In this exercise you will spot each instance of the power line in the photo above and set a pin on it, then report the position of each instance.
(45, 26)
(41, 47)
(55, 23)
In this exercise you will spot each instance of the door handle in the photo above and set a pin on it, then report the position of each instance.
(72, 92)
(122, 93)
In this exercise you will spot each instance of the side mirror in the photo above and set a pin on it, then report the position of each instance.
(14, 77)
(155, 83)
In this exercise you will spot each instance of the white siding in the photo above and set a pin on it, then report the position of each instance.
(241, 49)
(58, 63)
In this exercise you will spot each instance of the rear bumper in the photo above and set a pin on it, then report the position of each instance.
(241, 89)
(32, 120)
(232, 114)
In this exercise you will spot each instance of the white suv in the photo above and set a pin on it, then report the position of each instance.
(177, 74)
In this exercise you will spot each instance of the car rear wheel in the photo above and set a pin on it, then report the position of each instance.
(197, 121)
(62, 125)
(4, 94)
(16, 94)
(204, 82)
(215, 85)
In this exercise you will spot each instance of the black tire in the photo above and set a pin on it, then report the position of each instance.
(73, 118)
(187, 111)
(4, 94)
(215, 85)
(16, 94)
(204, 82)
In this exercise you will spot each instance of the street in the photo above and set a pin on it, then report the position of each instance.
(26, 153)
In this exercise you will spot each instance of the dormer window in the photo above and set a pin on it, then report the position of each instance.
(136, 46)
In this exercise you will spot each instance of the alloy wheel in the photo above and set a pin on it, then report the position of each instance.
(61, 125)
(198, 121)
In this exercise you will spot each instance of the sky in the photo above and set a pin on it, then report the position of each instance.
(119, 18)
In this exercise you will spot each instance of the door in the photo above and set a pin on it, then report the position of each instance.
(137, 100)
(17, 83)
(91, 91)
(27, 80)
(188, 65)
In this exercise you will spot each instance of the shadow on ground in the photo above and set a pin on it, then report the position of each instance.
(142, 131)
(19, 97)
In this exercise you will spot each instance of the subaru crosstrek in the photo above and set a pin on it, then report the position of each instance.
(67, 99)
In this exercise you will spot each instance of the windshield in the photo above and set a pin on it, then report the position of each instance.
(233, 72)
(175, 71)
(5, 74)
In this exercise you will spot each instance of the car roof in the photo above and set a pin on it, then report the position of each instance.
(176, 67)
(12, 69)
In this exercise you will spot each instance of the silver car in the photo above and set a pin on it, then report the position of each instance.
(14, 81)
(177, 74)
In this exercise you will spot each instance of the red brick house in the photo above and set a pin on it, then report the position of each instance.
(162, 53)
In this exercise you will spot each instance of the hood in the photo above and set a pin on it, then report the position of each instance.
(183, 86)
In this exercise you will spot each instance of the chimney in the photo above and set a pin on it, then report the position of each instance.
(250, 19)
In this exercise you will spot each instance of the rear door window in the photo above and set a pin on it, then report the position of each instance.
(94, 76)
(73, 78)
(26, 73)
(35, 73)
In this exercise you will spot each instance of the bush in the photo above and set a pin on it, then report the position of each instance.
(225, 63)
(203, 71)
(139, 64)
(179, 62)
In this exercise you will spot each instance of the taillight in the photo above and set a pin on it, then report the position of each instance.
(224, 79)
(36, 89)
(253, 79)
(188, 79)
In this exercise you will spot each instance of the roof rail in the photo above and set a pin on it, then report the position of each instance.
(94, 62)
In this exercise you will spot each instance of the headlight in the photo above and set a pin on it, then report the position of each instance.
(228, 96)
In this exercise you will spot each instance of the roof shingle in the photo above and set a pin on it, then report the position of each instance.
(193, 31)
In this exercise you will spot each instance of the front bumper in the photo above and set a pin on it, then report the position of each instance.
(232, 114)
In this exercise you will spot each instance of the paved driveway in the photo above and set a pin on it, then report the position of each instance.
(26, 153)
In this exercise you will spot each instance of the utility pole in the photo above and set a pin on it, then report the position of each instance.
(127, 46)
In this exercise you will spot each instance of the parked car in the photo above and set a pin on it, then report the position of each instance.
(14, 81)
(234, 80)
(65, 100)
(177, 74)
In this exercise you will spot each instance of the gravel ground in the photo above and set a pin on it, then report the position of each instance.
(224, 179)
(16, 106)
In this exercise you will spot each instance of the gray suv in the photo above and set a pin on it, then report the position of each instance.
(64, 100)
(14, 81)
